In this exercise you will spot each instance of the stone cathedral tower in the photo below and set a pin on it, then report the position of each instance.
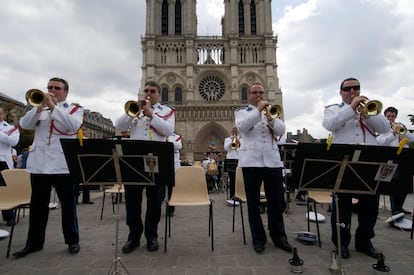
(207, 77)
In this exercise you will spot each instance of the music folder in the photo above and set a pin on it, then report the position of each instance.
(107, 161)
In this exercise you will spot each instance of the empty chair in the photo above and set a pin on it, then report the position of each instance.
(15, 195)
(190, 189)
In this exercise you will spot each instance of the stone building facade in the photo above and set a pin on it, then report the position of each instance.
(207, 77)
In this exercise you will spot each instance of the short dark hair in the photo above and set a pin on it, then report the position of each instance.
(392, 110)
(348, 79)
(61, 80)
(153, 83)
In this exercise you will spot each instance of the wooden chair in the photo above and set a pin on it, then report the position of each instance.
(190, 189)
(15, 195)
(116, 192)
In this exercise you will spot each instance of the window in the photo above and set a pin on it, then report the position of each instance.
(243, 94)
(164, 18)
(178, 17)
(164, 95)
(178, 96)
(253, 17)
(241, 17)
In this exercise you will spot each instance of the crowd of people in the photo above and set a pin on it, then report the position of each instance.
(253, 145)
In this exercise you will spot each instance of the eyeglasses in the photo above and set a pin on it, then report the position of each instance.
(150, 91)
(348, 89)
(56, 88)
(257, 92)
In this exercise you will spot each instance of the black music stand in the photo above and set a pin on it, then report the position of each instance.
(355, 169)
(230, 165)
(129, 162)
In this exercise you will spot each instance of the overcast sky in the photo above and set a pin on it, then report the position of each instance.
(96, 46)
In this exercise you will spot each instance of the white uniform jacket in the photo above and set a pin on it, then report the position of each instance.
(231, 154)
(176, 141)
(157, 128)
(348, 128)
(259, 147)
(46, 155)
(9, 137)
(389, 139)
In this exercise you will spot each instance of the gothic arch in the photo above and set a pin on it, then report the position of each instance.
(212, 131)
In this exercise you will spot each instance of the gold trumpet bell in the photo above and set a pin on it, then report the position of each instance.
(234, 145)
(35, 97)
(132, 108)
(372, 107)
(274, 111)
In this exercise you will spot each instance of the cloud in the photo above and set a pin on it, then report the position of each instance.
(96, 46)
(322, 42)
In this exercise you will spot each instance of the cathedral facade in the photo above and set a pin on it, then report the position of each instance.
(206, 78)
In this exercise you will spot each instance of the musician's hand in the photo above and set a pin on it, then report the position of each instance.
(356, 103)
(50, 101)
(262, 105)
(147, 109)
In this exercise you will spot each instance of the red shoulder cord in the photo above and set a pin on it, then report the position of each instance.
(364, 127)
(53, 127)
(165, 117)
(10, 131)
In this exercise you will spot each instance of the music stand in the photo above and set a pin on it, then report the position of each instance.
(355, 169)
(129, 162)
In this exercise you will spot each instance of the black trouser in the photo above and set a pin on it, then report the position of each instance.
(273, 184)
(133, 205)
(367, 218)
(39, 208)
(230, 167)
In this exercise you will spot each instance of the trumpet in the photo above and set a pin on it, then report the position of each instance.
(399, 128)
(234, 144)
(133, 108)
(35, 97)
(272, 111)
(371, 107)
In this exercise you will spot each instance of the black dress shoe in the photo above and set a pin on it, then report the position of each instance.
(152, 245)
(130, 246)
(26, 250)
(281, 242)
(74, 248)
(87, 202)
(345, 253)
(259, 248)
(369, 250)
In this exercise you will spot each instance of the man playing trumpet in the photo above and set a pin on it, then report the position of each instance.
(350, 125)
(52, 118)
(157, 124)
(231, 145)
(393, 138)
(260, 161)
